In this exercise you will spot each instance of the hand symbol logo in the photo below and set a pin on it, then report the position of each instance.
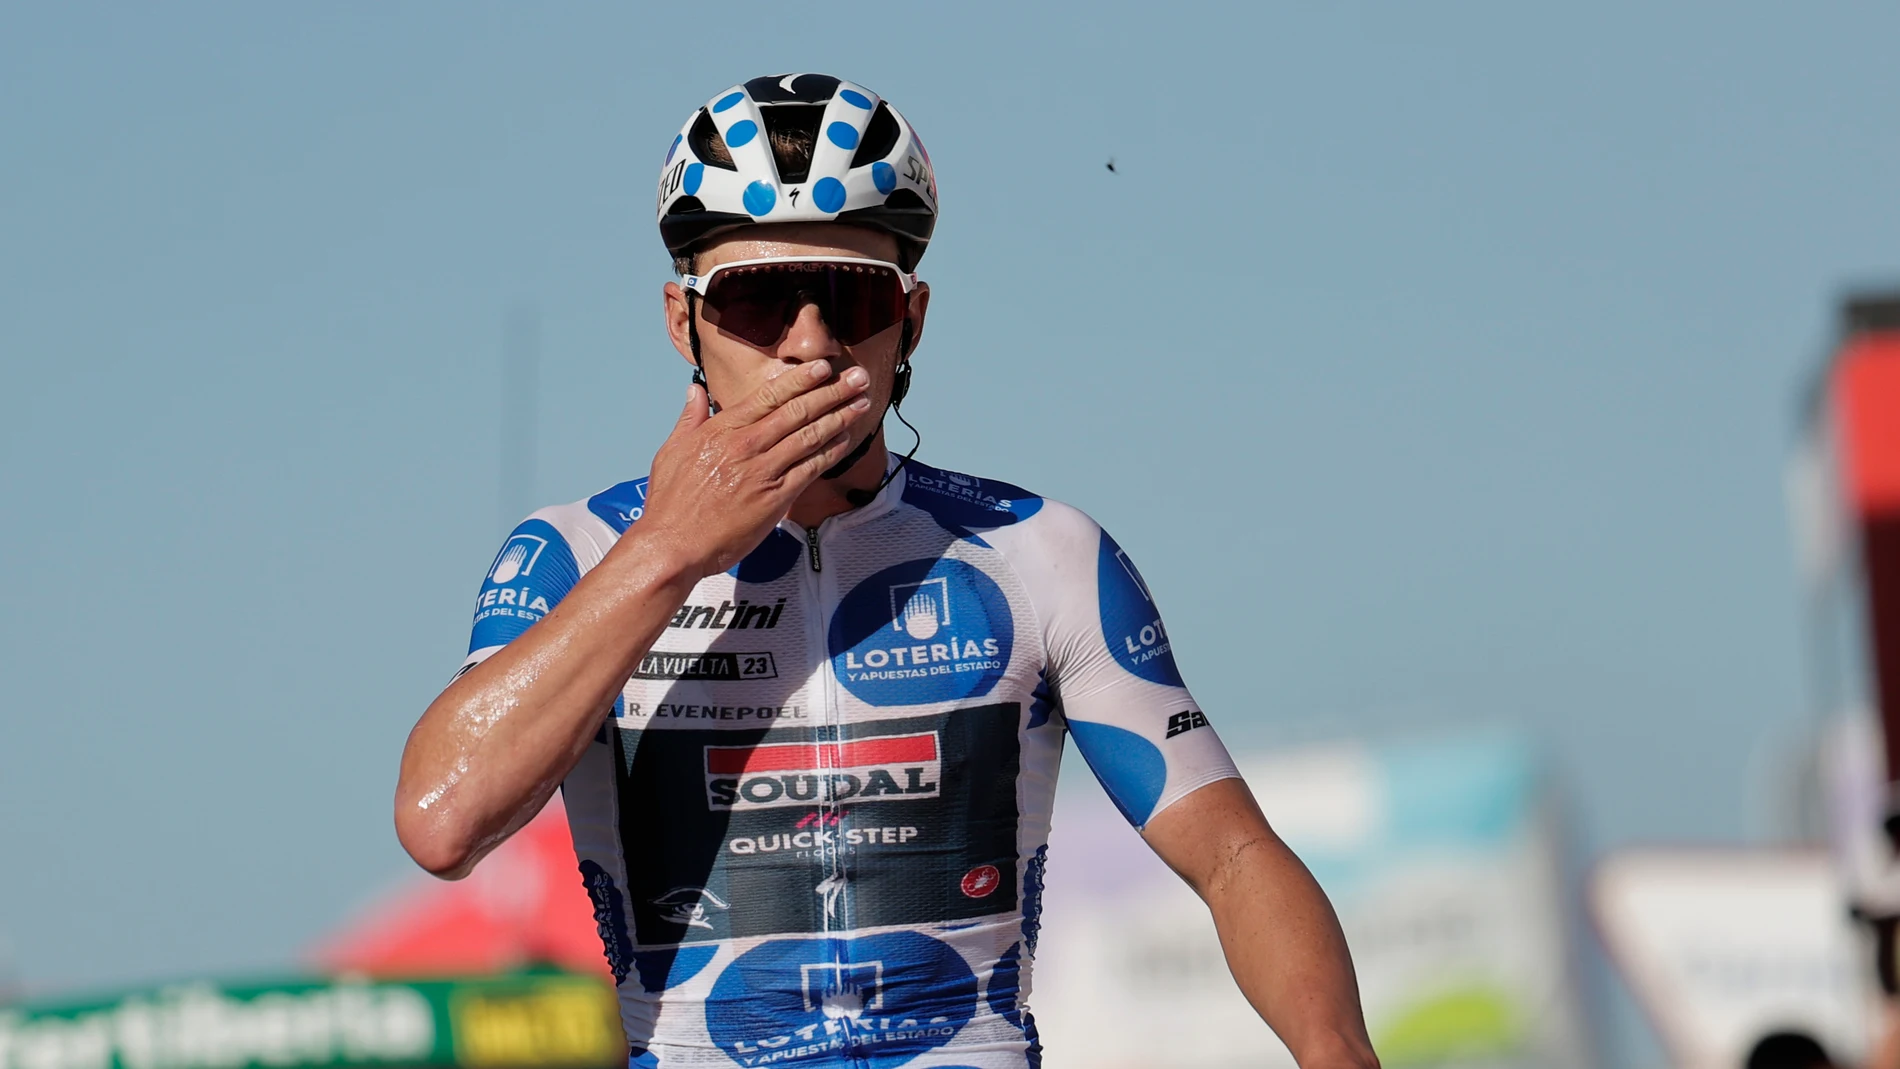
(510, 564)
(920, 615)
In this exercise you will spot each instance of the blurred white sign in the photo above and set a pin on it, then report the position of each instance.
(1724, 946)
(1439, 861)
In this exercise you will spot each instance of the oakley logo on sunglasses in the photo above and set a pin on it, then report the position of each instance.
(758, 300)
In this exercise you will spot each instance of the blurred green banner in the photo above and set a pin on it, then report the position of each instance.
(523, 1021)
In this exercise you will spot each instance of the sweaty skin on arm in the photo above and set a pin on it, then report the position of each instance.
(1281, 938)
(1157, 755)
(492, 747)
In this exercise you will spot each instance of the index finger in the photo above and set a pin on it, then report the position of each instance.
(779, 389)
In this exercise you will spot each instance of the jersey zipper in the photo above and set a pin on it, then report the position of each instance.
(828, 863)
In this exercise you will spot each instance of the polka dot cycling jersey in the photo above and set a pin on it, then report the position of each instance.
(814, 826)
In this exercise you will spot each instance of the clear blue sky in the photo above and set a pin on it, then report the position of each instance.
(1438, 362)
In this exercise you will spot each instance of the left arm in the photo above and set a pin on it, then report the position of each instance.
(1282, 941)
(1111, 667)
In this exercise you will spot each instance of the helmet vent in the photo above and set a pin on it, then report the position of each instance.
(880, 137)
(905, 199)
(686, 204)
(792, 130)
(706, 143)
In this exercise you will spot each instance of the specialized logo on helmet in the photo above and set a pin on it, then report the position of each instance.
(721, 171)
(893, 767)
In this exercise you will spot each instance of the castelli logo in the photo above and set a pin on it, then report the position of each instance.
(980, 881)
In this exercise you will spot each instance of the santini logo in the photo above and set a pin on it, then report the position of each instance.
(517, 558)
(801, 774)
(727, 617)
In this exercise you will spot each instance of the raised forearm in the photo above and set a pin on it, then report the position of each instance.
(492, 747)
(1287, 953)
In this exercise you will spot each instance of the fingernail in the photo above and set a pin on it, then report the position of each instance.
(819, 369)
(857, 376)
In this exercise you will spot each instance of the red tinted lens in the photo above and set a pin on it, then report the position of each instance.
(751, 303)
(864, 301)
(759, 302)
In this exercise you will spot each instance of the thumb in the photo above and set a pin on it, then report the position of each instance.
(695, 412)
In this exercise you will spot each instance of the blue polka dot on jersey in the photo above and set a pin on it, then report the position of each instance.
(759, 198)
(842, 134)
(727, 101)
(695, 174)
(672, 148)
(741, 132)
(855, 98)
(884, 176)
(828, 194)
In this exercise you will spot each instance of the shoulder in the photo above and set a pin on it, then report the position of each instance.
(619, 505)
(969, 504)
(583, 530)
(1019, 523)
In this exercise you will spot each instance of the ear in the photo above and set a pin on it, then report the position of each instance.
(919, 306)
(676, 321)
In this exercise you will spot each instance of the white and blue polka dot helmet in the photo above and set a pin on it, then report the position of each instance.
(867, 166)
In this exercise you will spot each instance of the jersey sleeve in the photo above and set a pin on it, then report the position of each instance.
(534, 570)
(1113, 672)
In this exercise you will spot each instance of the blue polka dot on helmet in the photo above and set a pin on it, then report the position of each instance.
(828, 193)
(759, 198)
(751, 150)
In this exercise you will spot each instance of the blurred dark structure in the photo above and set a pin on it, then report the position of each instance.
(1788, 1050)
(1852, 453)
(1847, 501)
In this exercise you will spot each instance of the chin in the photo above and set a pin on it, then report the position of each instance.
(866, 428)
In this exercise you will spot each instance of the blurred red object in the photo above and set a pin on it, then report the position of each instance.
(523, 905)
(1866, 389)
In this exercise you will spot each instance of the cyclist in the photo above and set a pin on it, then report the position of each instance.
(806, 700)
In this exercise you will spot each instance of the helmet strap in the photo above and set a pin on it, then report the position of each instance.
(692, 340)
(899, 387)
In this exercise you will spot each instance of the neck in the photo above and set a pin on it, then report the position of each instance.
(825, 498)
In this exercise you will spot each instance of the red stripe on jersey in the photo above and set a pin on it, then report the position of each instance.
(811, 757)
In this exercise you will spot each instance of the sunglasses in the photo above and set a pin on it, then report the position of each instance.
(757, 300)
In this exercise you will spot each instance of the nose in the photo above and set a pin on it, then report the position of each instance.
(810, 337)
